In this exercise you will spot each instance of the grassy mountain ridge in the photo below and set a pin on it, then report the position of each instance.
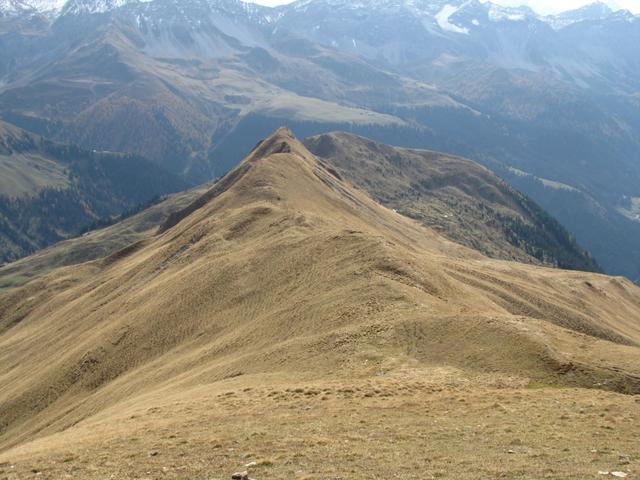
(462, 200)
(459, 198)
(187, 83)
(283, 295)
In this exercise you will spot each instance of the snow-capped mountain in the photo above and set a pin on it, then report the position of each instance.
(50, 8)
(53, 9)
(442, 13)
(75, 7)
(428, 37)
(454, 16)
(451, 16)
(594, 12)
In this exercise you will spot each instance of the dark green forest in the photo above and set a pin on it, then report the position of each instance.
(102, 187)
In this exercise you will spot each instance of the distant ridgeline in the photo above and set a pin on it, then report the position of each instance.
(457, 197)
(52, 191)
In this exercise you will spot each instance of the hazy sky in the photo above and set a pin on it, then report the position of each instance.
(541, 6)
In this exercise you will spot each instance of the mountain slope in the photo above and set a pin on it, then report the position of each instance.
(22, 171)
(50, 191)
(462, 200)
(459, 198)
(282, 276)
(169, 80)
(188, 83)
(97, 243)
(556, 96)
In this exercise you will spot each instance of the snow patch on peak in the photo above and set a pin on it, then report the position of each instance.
(93, 6)
(76, 7)
(442, 17)
(8, 6)
(45, 6)
(498, 13)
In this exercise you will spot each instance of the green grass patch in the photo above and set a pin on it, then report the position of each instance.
(13, 281)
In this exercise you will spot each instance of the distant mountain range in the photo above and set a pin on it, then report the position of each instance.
(550, 103)
(439, 9)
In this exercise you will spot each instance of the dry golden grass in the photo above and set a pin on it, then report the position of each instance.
(288, 319)
(409, 423)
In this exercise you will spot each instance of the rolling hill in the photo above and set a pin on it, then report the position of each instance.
(286, 323)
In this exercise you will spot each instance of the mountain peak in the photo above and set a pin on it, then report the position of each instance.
(257, 178)
(281, 141)
(595, 9)
(43, 7)
(588, 13)
(282, 134)
(56, 8)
